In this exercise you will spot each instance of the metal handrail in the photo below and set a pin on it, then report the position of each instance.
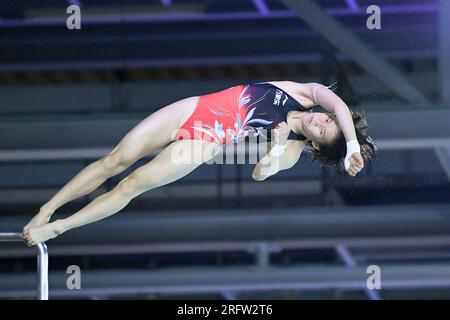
(42, 262)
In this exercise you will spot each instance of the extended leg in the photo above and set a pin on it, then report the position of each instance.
(167, 167)
(151, 133)
(87, 180)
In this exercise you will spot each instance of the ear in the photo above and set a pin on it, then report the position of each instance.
(315, 145)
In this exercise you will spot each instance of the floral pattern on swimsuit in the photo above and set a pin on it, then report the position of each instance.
(241, 128)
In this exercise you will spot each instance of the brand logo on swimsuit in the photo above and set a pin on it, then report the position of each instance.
(278, 96)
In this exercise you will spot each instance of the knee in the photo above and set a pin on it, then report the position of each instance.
(114, 162)
(128, 186)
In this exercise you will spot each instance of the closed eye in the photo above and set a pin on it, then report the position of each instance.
(329, 120)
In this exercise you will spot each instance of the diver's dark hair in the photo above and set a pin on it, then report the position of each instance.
(333, 154)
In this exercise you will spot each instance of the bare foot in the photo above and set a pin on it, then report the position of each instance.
(43, 217)
(33, 236)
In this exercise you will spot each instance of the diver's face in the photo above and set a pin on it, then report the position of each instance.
(320, 128)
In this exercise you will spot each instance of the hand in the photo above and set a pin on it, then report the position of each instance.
(281, 133)
(356, 164)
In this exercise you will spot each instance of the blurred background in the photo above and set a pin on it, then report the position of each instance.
(68, 96)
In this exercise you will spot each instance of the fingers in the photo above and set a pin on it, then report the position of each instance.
(357, 159)
(356, 164)
(354, 170)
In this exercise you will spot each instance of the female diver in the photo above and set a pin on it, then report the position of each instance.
(201, 126)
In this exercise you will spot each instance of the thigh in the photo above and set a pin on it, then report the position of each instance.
(155, 131)
(176, 161)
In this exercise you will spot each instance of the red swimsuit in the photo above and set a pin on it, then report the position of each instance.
(230, 115)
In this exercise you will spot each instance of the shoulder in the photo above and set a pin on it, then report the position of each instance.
(307, 92)
(304, 88)
(302, 92)
(294, 87)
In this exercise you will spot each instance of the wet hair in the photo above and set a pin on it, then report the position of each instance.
(333, 154)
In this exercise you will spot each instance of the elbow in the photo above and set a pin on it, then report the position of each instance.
(257, 177)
